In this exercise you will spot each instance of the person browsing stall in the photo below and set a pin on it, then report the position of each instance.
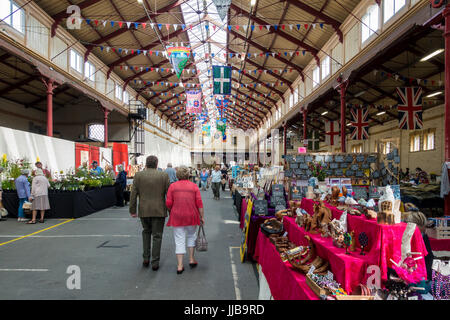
(186, 212)
(96, 169)
(39, 195)
(23, 192)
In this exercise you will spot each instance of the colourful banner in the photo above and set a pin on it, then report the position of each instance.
(179, 57)
(193, 102)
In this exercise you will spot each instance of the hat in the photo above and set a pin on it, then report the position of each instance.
(94, 162)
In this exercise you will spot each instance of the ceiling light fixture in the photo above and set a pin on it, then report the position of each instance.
(324, 113)
(252, 2)
(434, 94)
(380, 113)
(431, 55)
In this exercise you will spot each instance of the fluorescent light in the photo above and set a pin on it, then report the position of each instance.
(434, 94)
(359, 94)
(324, 113)
(348, 124)
(380, 113)
(140, 1)
(252, 2)
(431, 55)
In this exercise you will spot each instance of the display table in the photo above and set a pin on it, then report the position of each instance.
(285, 283)
(384, 241)
(73, 204)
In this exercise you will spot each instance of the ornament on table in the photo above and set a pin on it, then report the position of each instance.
(370, 203)
(313, 182)
(363, 242)
(406, 268)
(334, 195)
(389, 208)
(362, 202)
(339, 240)
(347, 242)
(350, 201)
(353, 244)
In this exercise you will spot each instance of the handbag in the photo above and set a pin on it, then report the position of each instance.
(26, 205)
(201, 244)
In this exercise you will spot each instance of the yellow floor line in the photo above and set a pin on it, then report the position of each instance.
(22, 237)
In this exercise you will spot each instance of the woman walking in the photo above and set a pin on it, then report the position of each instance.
(186, 213)
(39, 194)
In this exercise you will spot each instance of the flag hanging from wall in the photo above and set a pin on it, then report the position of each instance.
(331, 132)
(409, 108)
(206, 130)
(222, 7)
(222, 80)
(178, 57)
(221, 104)
(313, 140)
(194, 101)
(359, 126)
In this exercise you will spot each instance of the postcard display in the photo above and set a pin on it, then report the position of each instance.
(358, 172)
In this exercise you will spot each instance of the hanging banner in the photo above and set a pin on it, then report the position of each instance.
(331, 132)
(221, 104)
(193, 101)
(178, 57)
(222, 7)
(409, 108)
(222, 80)
(206, 130)
(313, 140)
(359, 126)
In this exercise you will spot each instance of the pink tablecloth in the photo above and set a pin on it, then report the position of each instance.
(439, 244)
(285, 283)
(384, 240)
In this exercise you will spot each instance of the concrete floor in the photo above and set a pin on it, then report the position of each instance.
(107, 247)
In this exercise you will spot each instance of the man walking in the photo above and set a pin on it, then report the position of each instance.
(216, 178)
(151, 186)
(120, 185)
(172, 173)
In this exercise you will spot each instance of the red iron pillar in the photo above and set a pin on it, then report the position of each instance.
(50, 85)
(342, 89)
(446, 15)
(106, 112)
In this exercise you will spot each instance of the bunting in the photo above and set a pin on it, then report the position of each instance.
(179, 57)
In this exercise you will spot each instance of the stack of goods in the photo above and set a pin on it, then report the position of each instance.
(325, 286)
(282, 244)
(308, 260)
(272, 227)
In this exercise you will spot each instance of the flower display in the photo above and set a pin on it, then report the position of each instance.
(318, 170)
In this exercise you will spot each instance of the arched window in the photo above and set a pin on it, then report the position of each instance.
(96, 131)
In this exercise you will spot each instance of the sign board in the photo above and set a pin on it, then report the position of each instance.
(260, 207)
(248, 214)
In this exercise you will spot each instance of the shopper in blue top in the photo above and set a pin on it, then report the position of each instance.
(204, 178)
(96, 169)
(23, 192)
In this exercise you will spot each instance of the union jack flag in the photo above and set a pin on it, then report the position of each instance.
(359, 126)
(410, 108)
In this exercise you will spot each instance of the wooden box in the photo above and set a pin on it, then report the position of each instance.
(350, 297)
(314, 287)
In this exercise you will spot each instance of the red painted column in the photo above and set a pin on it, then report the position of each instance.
(343, 89)
(446, 15)
(50, 85)
(106, 112)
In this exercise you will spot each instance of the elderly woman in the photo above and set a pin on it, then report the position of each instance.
(23, 192)
(186, 213)
(39, 194)
(120, 185)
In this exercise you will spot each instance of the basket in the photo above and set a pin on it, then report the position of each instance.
(438, 232)
(316, 289)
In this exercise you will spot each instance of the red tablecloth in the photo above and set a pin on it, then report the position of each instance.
(243, 211)
(285, 283)
(384, 240)
(439, 244)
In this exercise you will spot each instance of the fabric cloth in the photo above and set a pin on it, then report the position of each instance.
(216, 176)
(23, 187)
(151, 186)
(97, 171)
(152, 233)
(39, 186)
(40, 203)
(285, 283)
(172, 174)
(183, 201)
(439, 244)
(445, 183)
(20, 212)
(216, 189)
(184, 236)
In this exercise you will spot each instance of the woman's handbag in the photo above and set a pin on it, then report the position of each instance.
(201, 244)
(26, 205)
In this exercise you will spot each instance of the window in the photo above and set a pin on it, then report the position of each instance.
(428, 139)
(96, 132)
(316, 76)
(291, 98)
(75, 61)
(357, 148)
(119, 91)
(89, 71)
(126, 97)
(295, 96)
(370, 22)
(391, 7)
(414, 142)
(385, 147)
(12, 15)
(325, 67)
